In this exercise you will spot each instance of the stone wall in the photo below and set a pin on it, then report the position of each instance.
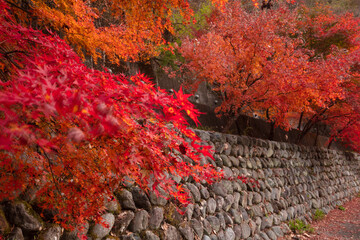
(289, 182)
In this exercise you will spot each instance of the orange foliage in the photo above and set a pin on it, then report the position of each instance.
(120, 29)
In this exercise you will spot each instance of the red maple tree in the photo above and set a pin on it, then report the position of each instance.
(284, 64)
(73, 133)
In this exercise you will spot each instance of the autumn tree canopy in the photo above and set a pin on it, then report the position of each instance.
(284, 63)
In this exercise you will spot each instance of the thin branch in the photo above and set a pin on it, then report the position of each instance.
(16, 6)
(14, 51)
(300, 120)
(14, 63)
(51, 171)
(232, 46)
(255, 80)
(247, 79)
(340, 131)
(312, 121)
(338, 116)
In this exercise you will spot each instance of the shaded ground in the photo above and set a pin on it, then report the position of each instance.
(337, 225)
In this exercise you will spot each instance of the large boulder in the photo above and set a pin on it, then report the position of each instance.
(22, 215)
(102, 229)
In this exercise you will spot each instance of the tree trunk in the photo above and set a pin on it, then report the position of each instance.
(311, 122)
(300, 120)
(308, 126)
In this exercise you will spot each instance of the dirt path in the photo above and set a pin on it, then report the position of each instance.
(337, 225)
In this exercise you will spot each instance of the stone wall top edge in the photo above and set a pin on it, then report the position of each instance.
(251, 141)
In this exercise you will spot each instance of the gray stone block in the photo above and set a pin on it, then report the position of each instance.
(277, 230)
(16, 234)
(267, 222)
(186, 231)
(102, 229)
(229, 234)
(236, 215)
(122, 222)
(52, 233)
(156, 217)
(221, 218)
(198, 227)
(140, 221)
(126, 200)
(271, 234)
(219, 189)
(204, 192)
(214, 222)
(131, 236)
(194, 192)
(245, 230)
(150, 236)
(171, 233)
(140, 198)
(207, 227)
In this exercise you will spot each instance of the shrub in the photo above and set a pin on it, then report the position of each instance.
(299, 226)
(318, 215)
(342, 208)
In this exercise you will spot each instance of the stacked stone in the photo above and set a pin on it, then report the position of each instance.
(287, 182)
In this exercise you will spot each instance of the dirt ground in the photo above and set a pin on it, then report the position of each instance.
(337, 224)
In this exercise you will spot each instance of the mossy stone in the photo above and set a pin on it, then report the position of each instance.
(4, 224)
(172, 215)
(22, 214)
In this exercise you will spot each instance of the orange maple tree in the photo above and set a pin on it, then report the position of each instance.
(127, 30)
(73, 133)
